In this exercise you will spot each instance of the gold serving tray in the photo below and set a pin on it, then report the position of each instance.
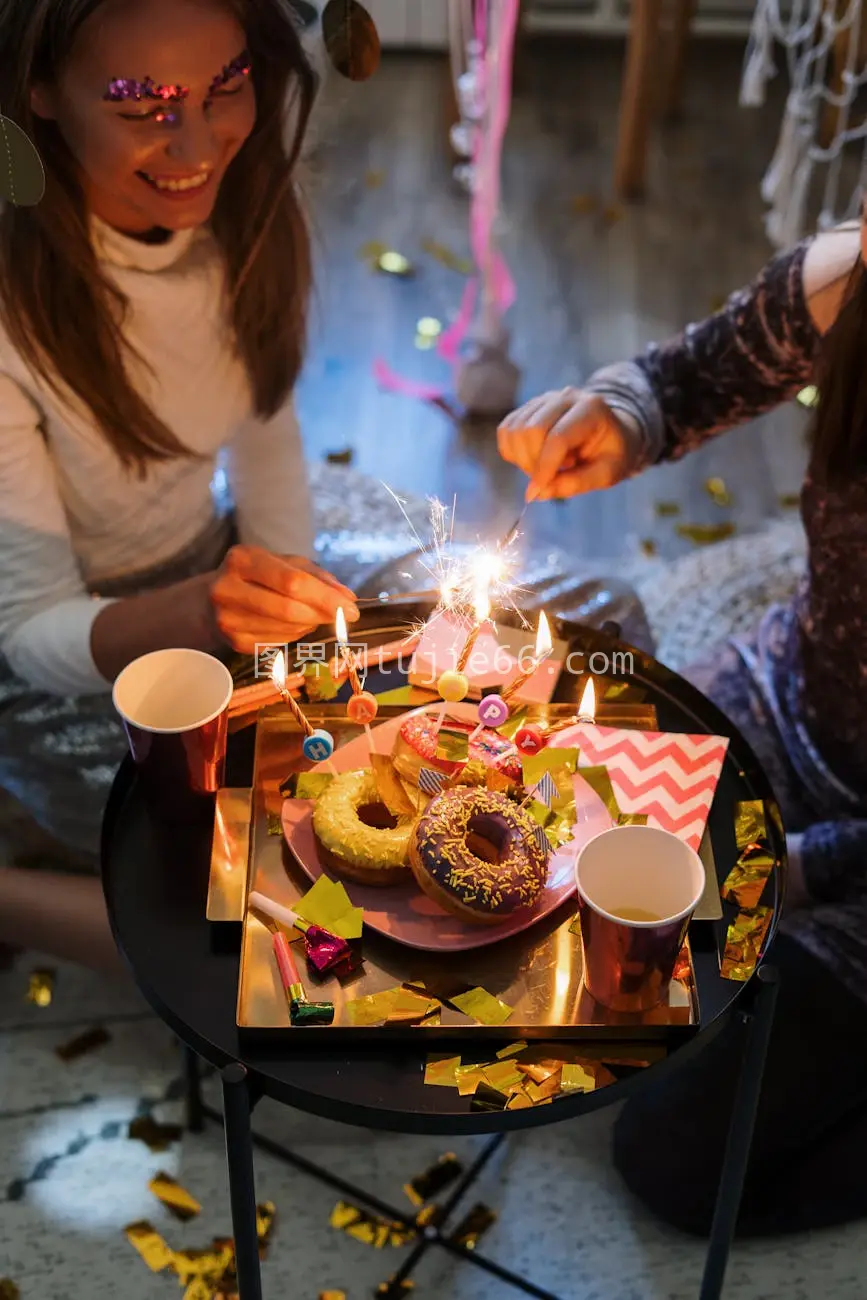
(538, 972)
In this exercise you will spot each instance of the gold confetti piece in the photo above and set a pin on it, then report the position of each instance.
(512, 1050)
(409, 1005)
(89, 1041)
(744, 940)
(600, 782)
(472, 1228)
(215, 1266)
(604, 1077)
(575, 926)
(332, 1295)
(327, 904)
(809, 396)
(482, 1006)
(750, 825)
(199, 1289)
(746, 881)
(319, 687)
(550, 759)
(265, 1215)
(369, 1228)
(717, 304)
(717, 491)
(611, 214)
(468, 1078)
(504, 1075)
(519, 1101)
(373, 1009)
(427, 331)
(429, 1184)
(447, 257)
(790, 500)
(683, 966)
(157, 1137)
(705, 534)
(583, 204)
(373, 179)
(310, 785)
(539, 1071)
(631, 819)
(153, 1249)
(539, 1092)
(487, 1098)
(453, 746)
(8, 1289)
(174, 1197)
(390, 786)
(40, 987)
(667, 509)
(275, 824)
(394, 263)
(648, 546)
(344, 457)
(577, 1078)
(393, 1290)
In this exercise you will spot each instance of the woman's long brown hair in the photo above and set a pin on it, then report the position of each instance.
(60, 311)
(839, 440)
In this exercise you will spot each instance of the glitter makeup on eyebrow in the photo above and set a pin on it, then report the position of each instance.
(122, 88)
(239, 67)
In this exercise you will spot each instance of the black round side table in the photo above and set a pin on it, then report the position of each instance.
(156, 885)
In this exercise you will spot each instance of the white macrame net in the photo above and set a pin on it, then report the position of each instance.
(804, 165)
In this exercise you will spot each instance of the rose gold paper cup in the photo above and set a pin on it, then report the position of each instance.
(175, 708)
(624, 874)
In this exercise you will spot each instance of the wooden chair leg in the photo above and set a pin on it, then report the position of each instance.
(636, 99)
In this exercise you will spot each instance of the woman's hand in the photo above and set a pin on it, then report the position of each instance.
(263, 599)
(569, 442)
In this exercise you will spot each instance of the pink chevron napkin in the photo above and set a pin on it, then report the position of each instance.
(670, 776)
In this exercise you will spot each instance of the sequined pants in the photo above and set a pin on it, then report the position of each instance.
(59, 756)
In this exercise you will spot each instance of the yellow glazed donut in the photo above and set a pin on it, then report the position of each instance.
(357, 835)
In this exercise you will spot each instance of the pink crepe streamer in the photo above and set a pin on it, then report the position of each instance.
(395, 383)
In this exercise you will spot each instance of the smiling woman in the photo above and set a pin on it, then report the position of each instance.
(152, 320)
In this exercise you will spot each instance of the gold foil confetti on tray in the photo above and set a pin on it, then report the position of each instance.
(473, 1227)
(425, 1186)
(157, 1137)
(370, 1229)
(746, 881)
(328, 905)
(155, 1252)
(667, 509)
(576, 1078)
(409, 1005)
(482, 1006)
(174, 1197)
(512, 1050)
(275, 824)
(40, 987)
(705, 534)
(744, 940)
(447, 257)
(374, 1009)
(487, 1098)
(89, 1041)
(631, 819)
(453, 746)
(750, 824)
(716, 489)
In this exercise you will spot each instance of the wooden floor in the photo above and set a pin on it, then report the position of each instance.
(593, 286)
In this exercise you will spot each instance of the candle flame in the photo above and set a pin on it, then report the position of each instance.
(340, 627)
(587, 707)
(544, 644)
(278, 672)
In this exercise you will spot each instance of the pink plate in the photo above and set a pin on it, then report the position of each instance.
(404, 912)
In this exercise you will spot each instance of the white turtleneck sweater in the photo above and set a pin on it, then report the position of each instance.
(71, 517)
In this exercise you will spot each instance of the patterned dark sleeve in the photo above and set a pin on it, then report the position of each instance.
(834, 859)
(758, 351)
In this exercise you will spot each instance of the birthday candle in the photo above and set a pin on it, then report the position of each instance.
(544, 646)
(318, 745)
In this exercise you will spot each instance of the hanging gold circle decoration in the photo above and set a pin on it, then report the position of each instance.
(351, 39)
(22, 176)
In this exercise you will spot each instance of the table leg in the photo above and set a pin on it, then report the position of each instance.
(242, 1189)
(636, 99)
(760, 1020)
(193, 1091)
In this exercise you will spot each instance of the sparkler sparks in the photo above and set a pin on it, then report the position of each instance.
(461, 578)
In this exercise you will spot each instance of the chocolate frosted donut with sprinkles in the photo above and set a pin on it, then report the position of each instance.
(475, 852)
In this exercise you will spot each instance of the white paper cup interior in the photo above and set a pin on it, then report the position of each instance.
(640, 868)
(172, 690)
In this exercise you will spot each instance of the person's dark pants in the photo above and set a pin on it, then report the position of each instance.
(808, 1167)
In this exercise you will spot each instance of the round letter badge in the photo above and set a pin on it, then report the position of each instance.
(493, 711)
(319, 746)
